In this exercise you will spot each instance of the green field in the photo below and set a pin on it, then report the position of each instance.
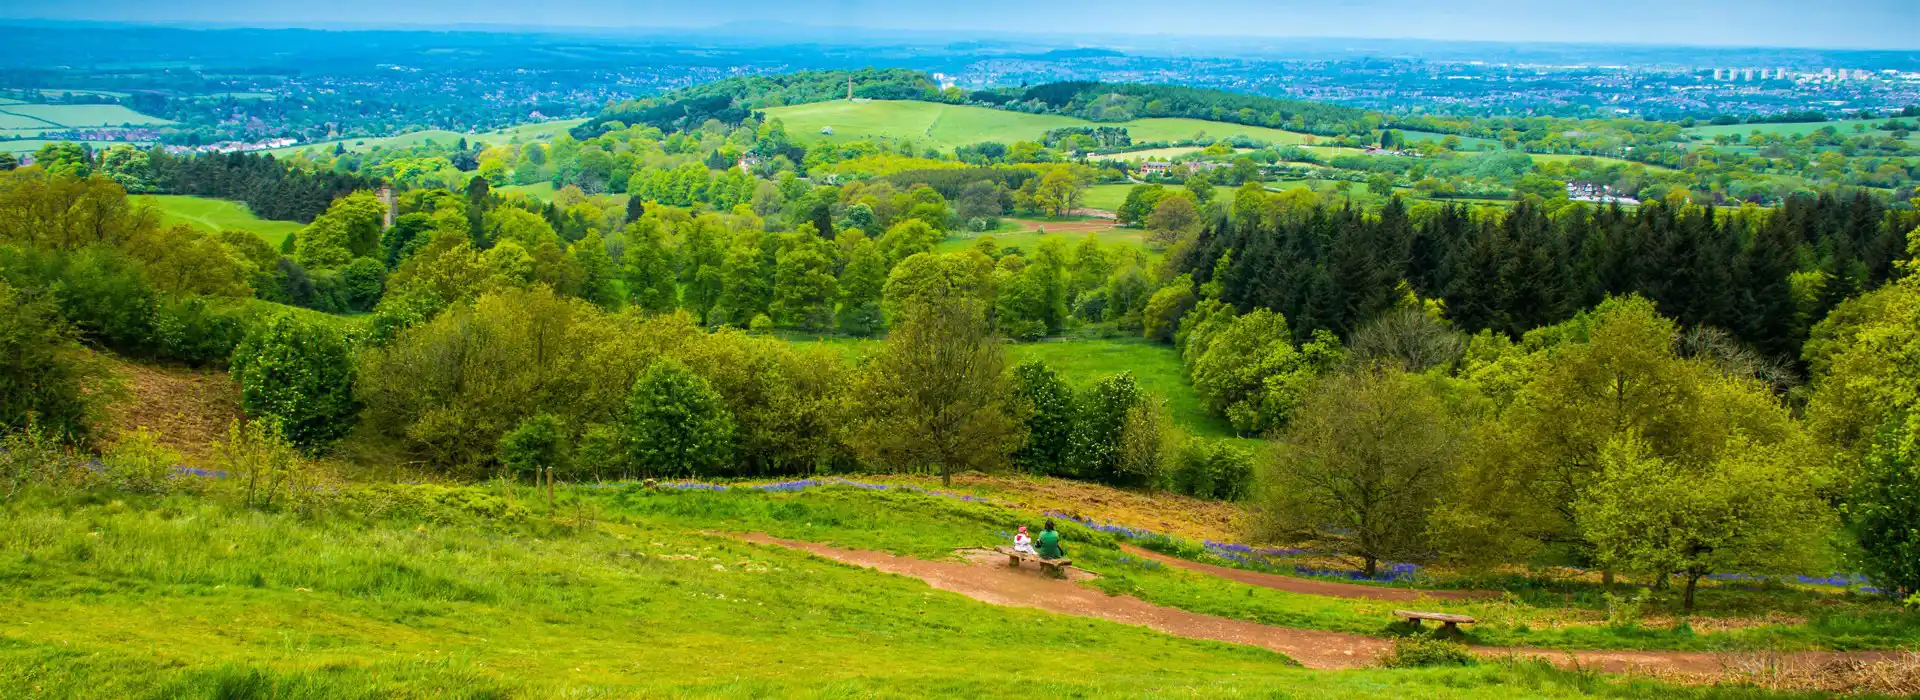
(482, 592)
(217, 215)
(1467, 143)
(945, 126)
(1844, 126)
(1108, 197)
(73, 116)
(524, 132)
(542, 191)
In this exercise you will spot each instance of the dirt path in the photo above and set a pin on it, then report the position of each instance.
(1066, 226)
(987, 578)
(1295, 584)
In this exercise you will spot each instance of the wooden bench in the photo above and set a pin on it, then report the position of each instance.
(1450, 623)
(1052, 567)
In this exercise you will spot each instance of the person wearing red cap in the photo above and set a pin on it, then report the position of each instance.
(1022, 543)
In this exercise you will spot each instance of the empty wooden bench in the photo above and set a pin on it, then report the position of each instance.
(1053, 567)
(1449, 623)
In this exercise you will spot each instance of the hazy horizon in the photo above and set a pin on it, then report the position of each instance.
(1842, 24)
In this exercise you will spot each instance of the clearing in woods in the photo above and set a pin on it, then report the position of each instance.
(210, 214)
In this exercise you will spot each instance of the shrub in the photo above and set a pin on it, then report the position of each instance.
(1885, 505)
(259, 457)
(1048, 404)
(430, 503)
(537, 443)
(601, 450)
(1098, 434)
(1624, 611)
(189, 330)
(360, 284)
(32, 456)
(1421, 651)
(138, 462)
(102, 293)
(1212, 469)
(44, 377)
(301, 375)
(676, 423)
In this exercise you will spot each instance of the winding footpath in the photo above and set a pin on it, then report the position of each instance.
(986, 577)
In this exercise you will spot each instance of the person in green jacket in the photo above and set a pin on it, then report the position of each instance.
(1050, 543)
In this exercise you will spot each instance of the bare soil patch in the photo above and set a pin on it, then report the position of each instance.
(189, 408)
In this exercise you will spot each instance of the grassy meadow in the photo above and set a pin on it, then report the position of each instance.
(483, 591)
(217, 215)
(19, 116)
(944, 127)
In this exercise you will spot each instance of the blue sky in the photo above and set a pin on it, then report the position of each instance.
(1829, 23)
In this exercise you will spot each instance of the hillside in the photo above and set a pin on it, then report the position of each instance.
(210, 214)
(944, 126)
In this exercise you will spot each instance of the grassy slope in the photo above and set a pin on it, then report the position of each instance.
(946, 126)
(931, 527)
(189, 597)
(218, 215)
(127, 596)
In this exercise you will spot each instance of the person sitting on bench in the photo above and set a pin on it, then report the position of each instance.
(1050, 543)
(1022, 543)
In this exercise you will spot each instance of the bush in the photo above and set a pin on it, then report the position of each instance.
(537, 443)
(430, 503)
(676, 423)
(1422, 651)
(301, 375)
(33, 457)
(99, 291)
(260, 459)
(189, 330)
(1624, 612)
(44, 377)
(1885, 505)
(1212, 469)
(137, 462)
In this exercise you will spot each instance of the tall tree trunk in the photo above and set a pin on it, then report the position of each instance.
(1693, 581)
(1373, 565)
(1606, 577)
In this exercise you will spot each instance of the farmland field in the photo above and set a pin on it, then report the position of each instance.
(1845, 127)
(218, 215)
(1467, 143)
(947, 126)
(1110, 197)
(75, 116)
